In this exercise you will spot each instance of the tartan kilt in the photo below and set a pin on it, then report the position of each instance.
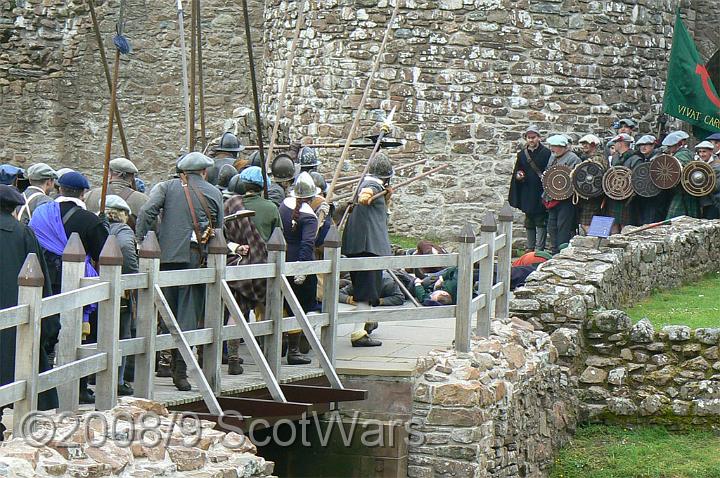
(587, 208)
(683, 204)
(620, 210)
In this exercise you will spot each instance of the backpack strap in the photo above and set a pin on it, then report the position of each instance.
(70, 213)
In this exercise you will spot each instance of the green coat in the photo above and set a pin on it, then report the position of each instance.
(683, 204)
(449, 284)
(267, 216)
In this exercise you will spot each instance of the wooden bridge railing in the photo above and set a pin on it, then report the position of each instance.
(480, 300)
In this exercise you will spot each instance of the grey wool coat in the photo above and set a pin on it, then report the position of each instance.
(366, 231)
(175, 228)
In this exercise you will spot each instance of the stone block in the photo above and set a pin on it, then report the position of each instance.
(593, 375)
(707, 336)
(186, 458)
(566, 341)
(642, 332)
(621, 406)
(456, 394)
(611, 321)
(677, 333)
(617, 376)
(455, 416)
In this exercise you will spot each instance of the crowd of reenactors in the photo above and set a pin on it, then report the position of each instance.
(41, 208)
(561, 187)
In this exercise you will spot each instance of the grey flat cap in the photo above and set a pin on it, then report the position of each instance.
(40, 171)
(123, 165)
(194, 162)
(532, 129)
(116, 202)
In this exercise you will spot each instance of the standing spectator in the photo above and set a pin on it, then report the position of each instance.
(42, 183)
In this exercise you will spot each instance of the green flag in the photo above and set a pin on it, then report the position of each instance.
(689, 93)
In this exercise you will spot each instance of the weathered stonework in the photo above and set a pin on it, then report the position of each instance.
(136, 439)
(629, 372)
(467, 77)
(502, 410)
(54, 96)
(564, 291)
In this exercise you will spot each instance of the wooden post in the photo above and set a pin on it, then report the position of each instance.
(331, 292)
(502, 308)
(111, 260)
(70, 338)
(488, 228)
(214, 311)
(149, 253)
(466, 245)
(276, 247)
(27, 341)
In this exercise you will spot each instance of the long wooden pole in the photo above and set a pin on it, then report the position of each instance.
(363, 100)
(183, 65)
(409, 181)
(201, 82)
(256, 100)
(106, 69)
(283, 90)
(108, 144)
(193, 65)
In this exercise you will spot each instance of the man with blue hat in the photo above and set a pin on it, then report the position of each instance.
(682, 203)
(191, 209)
(562, 219)
(53, 223)
(266, 217)
(10, 174)
(42, 182)
(715, 140)
(17, 242)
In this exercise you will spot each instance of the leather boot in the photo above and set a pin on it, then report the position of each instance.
(164, 364)
(531, 239)
(179, 374)
(234, 367)
(541, 238)
(234, 359)
(294, 357)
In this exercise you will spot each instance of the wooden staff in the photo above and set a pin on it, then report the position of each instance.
(256, 101)
(183, 65)
(283, 91)
(410, 295)
(384, 144)
(354, 179)
(361, 107)
(121, 46)
(201, 82)
(409, 181)
(193, 64)
(103, 59)
(666, 222)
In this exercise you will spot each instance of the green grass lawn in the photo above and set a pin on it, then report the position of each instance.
(694, 305)
(404, 241)
(648, 452)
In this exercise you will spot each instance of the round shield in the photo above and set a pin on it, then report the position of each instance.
(665, 171)
(557, 183)
(698, 178)
(587, 179)
(617, 184)
(641, 182)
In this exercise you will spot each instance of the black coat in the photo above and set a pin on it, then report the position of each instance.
(18, 241)
(366, 232)
(526, 195)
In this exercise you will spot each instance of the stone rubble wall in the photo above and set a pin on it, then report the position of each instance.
(564, 291)
(54, 98)
(467, 78)
(502, 410)
(636, 374)
(122, 442)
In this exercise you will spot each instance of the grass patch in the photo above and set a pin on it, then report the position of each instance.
(405, 242)
(694, 305)
(649, 452)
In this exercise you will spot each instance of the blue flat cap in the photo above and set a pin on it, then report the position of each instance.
(8, 173)
(73, 180)
(9, 195)
(713, 137)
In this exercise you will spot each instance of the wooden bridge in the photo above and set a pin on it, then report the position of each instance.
(476, 303)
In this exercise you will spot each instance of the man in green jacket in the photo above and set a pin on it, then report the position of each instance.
(682, 204)
(440, 291)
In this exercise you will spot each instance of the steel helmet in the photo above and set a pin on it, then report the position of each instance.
(319, 181)
(308, 158)
(229, 142)
(381, 167)
(227, 171)
(236, 185)
(305, 186)
(283, 168)
(253, 175)
(254, 159)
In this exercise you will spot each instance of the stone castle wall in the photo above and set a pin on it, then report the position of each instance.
(467, 77)
(502, 410)
(54, 97)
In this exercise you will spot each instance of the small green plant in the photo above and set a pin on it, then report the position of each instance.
(694, 305)
(599, 451)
